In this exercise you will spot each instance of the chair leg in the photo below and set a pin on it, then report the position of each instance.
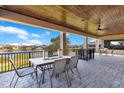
(78, 73)
(50, 79)
(72, 71)
(67, 79)
(12, 80)
(32, 76)
(37, 78)
(41, 77)
(51, 83)
(16, 82)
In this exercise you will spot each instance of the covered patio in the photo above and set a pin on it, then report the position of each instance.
(99, 22)
(103, 72)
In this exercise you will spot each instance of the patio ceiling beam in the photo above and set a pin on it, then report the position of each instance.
(19, 18)
(112, 37)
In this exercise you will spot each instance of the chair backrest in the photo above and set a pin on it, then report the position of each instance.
(59, 66)
(12, 63)
(72, 54)
(73, 62)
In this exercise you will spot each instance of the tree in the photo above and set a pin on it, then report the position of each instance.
(56, 44)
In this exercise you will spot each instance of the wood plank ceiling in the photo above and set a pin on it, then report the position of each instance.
(76, 17)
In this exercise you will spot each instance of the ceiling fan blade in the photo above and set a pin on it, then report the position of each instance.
(99, 24)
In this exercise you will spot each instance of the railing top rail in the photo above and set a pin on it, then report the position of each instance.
(3, 53)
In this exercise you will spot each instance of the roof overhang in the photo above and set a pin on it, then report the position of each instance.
(19, 18)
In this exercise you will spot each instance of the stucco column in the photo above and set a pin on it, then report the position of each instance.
(63, 43)
(86, 42)
(97, 44)
(102, 43)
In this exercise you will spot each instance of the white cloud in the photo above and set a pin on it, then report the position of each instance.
(92, 40)
(34, 42)
(47, 33)
(35, 35)
(22, 34)
(15, 44)
(22, 37)
(26, 44)
(68, 34)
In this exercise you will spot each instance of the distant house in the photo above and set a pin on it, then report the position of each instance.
(1, 46)
(90, 44)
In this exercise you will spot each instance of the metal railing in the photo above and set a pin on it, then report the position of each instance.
(21, 59)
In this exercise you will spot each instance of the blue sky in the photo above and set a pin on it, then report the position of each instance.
(13, 33)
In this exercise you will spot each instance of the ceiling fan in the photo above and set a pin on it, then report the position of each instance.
(100, 27)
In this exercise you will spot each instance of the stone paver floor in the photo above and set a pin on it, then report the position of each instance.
(102, 72)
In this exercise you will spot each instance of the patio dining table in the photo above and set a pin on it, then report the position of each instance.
(40, 62)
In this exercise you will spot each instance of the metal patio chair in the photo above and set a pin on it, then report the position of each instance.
(25, 72)
(72, 64)
(59, 67)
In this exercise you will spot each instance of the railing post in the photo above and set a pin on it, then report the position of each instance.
(43, 54)
(29, 58)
